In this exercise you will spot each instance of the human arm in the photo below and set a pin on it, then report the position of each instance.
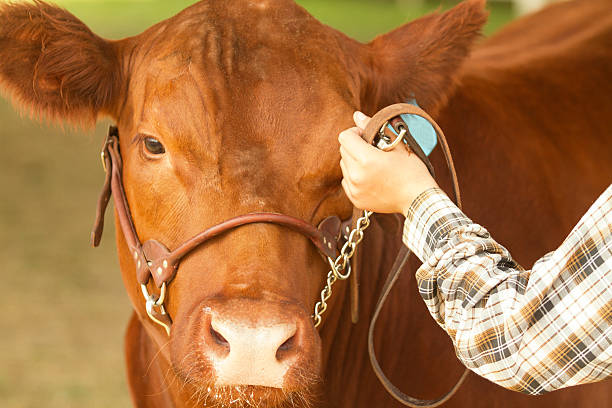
(530, 331)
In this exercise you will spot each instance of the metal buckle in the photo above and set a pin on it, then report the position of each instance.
(154, 301)
(112, 131)
(384, 142)
(103, 157)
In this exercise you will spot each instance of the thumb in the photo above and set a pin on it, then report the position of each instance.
(360, 119)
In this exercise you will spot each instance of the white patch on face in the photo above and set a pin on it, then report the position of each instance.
(260, 4)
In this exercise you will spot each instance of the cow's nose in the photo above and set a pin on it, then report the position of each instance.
(251, 350)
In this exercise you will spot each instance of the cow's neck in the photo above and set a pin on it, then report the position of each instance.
(405, 331)
(345, 343)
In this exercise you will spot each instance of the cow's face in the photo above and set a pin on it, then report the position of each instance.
(228, 108)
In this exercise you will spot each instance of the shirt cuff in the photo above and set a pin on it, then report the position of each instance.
(431, 218)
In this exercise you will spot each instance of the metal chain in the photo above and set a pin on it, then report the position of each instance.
(340, 268)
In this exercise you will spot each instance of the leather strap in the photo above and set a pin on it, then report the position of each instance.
(345, 231)
(105, 195)
(398, 265)
(391, 114)
(153, 259)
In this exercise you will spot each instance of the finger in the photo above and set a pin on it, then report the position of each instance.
(353, 130)
(350, 161)
(344, 168)
(355, 146)
(407, 149)
(347, 190)
(348, 140)
(351, 172)
(360, 119)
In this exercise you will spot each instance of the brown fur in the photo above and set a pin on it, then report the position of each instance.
(419, 60)
(248, 97)
(53, 65)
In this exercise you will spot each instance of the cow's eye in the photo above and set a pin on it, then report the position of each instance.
(153, 145)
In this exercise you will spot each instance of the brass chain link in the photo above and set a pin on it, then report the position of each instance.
(340, 268)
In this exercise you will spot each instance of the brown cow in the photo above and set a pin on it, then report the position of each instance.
(234, 106)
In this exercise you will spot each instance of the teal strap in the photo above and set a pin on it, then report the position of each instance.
(420, 129)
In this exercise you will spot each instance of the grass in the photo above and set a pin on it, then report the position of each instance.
(62, 305)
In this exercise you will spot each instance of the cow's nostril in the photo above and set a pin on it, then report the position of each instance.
(287, 344)
(286, 349)
(219, 339)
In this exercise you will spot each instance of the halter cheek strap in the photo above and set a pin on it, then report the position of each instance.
(153, 260)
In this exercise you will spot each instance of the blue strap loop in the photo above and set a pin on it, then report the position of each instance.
(420, 129)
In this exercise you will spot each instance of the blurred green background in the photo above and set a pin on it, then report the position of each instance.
(62, 305)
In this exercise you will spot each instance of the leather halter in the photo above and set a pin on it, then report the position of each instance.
(155, 261)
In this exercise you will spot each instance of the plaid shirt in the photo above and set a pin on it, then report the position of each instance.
(530, 331)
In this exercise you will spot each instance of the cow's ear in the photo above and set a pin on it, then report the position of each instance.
(54, 66)
(420, 59)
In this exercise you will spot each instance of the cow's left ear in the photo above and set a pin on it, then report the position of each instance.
(420, 59)
(53, 65)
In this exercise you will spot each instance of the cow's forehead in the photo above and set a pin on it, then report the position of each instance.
(245, 38)
(246, 69)
(253, 95)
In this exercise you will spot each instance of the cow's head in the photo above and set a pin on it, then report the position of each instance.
(228, 108)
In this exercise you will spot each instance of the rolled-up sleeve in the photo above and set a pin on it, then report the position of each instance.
(531, 331)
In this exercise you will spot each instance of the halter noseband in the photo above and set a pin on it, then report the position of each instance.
(154, 260)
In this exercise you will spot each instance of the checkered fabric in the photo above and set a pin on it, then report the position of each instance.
(530, 331)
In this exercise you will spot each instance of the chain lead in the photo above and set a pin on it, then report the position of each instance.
(340, 268)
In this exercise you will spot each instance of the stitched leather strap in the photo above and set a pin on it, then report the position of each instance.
(105, 195)
(405, 399)
(391, 114)
(153, 259)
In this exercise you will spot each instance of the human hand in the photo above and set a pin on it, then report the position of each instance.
(383, 182)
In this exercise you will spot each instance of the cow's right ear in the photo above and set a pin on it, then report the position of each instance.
(420, 59)
(52, 65)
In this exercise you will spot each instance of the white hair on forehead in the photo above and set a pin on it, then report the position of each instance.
(260, 4)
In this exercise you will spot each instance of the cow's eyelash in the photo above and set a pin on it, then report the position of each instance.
(138, 138)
